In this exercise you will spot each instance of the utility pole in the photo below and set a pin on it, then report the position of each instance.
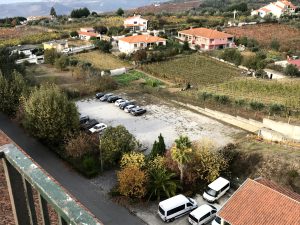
(234, 14)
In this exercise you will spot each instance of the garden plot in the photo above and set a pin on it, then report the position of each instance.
(167, 120)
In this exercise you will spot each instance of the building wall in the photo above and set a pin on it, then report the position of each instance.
(128, 48)
(137, 20)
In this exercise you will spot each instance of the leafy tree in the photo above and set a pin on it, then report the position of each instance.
(7, 63)
(49, 115)
(275, 45)
(132, 182)
(162, 183)
(74, 34)
(291, 70)
(159, 148)
(133, 159)
(10, 93)
(101, 29)
(81, 145)
(50, 56)
(62, 62)
(139, 55)
(186, 46)
(120, 12)
(81, 12)
(114, 142)
(180, 153)
(232, 55)
(53, 12)
(104, 46)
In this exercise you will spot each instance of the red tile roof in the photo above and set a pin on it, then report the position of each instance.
(265, 9)
(204, 32)
(142, 38)
(262, 203)
(287, 3)
(91, 34)
(295, 62)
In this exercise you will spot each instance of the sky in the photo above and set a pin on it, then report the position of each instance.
(14, 1)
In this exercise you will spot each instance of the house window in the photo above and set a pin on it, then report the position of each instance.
(135, 45)
(135, 22)
(144, 23)
(141, 45)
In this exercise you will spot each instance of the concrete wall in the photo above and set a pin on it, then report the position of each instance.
(290, 131)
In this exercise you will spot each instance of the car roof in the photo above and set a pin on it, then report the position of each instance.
(176, 200)
(201, 211)
(218, 184)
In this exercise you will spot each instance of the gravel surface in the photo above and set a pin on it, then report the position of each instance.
(167, 120)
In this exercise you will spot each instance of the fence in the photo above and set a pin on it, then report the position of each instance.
(22, 175)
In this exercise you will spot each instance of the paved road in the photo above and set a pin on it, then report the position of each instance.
(88, 194)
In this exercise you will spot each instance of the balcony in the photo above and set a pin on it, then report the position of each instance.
(23, 177)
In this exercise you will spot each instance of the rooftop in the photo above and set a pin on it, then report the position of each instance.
(262, 202)
(142, 38)
(205, 32)
(91, 34)
(62, 42)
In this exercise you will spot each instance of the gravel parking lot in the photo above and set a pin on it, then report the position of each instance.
(167, 120)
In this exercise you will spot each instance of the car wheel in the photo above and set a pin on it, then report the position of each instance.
(171, 220)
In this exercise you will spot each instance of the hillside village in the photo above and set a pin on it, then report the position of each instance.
(186, 112)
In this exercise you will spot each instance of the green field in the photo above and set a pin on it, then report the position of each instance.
(102, 61)
(197, 69)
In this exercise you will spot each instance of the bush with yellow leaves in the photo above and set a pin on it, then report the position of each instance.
(133, 159)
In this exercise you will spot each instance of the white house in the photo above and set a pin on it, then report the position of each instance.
(133, 43)
(276, 9)
(136, 23)
(87, 33)
(30, 53)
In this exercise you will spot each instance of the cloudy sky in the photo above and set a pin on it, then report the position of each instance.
(14, 1)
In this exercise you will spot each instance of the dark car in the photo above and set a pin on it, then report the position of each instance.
(89, 124)
(84, 119)
(105, 97)
(138, 111)
(99, 95)
(124, 104)
(113, 98)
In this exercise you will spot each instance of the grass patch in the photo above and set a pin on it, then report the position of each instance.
(196, 69)
(101, 61)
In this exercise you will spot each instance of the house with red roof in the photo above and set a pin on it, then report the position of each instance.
(206, 39)
(261, 202)
(133, 43)
(295, 62)
(276, 9)
(87, 33)
(136, 23)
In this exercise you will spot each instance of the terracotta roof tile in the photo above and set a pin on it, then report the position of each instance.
(142, 38)
(261, 203)
(91, 34)
(205, 32)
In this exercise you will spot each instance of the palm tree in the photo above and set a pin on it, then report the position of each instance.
(181, 153)
(162, 183)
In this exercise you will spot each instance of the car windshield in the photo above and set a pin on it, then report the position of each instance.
(161, 210)
(211, 192)
(218, 220)
(193, 218)
(190, 200)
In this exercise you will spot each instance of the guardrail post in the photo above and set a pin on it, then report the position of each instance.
(17, 194)
(44, 210)
(62, 221)
(30, 202)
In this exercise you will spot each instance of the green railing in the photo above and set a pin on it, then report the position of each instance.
(23, 175)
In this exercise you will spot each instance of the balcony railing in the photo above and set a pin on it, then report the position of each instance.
(22, 176)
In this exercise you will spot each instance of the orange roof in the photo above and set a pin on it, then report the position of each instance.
(142, 38)
(287, 3)
(265, 9)
(261, 202)
(91, 34)
(204, 32)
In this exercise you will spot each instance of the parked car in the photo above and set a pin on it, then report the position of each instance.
(89, 124)
(99, 95)
(216, 189)
(84, 119)
(175, 207)
(202, 214)
(129, 108)
(113, 98)
(138, 111)
(124, 104)
(105, 97)
(98, 128)
(119, 101)
(216, 221)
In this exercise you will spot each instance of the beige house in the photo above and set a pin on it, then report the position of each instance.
(133, 43)
(58, 45)
(136, 23)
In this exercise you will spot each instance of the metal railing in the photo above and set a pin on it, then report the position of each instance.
(22, 176)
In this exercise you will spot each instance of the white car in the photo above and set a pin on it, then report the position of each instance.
(119, 101)
(202, 214)
(98, 128)
(129, 108)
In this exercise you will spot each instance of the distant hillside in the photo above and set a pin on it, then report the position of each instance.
(64, 7)
(171, 7)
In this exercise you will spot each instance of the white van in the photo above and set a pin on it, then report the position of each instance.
(175, 207)
(216, 189)
(202, 214)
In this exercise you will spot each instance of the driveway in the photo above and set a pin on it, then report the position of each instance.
(86, 192)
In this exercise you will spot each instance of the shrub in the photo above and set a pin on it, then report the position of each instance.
(104, 46)
(276, 108)
(104, 83)
(159, 148)
(257, 106)
(240, 102)
(232, 55)
(291, 70)
(205, 95)
(133, 159)
(90, 166)
(132, 182)
(62, 62)
(223, 99)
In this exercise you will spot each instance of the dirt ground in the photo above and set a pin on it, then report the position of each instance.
(161, 118)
